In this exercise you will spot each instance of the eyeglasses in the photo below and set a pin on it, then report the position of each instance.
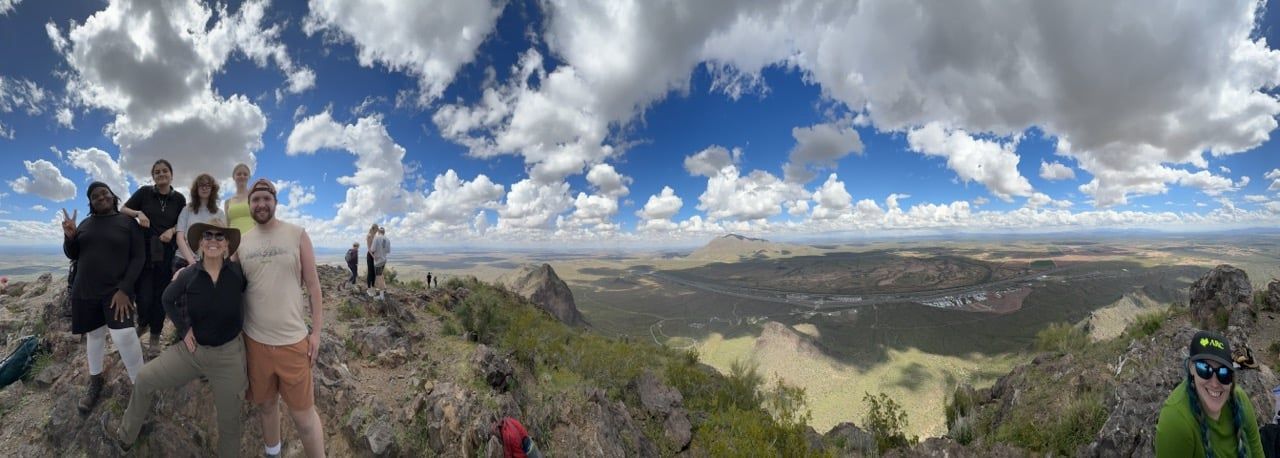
(1224, 373)
(211, 235)
(206, 186)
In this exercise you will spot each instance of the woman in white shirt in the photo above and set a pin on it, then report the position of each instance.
(202, 209)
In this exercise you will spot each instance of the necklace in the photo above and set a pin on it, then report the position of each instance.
(164, 203)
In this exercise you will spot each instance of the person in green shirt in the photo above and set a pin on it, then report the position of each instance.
(1207, 415)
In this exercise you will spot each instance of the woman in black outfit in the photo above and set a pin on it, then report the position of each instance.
(368, 256)
(157, 208)
(107, 248)
(206, 304)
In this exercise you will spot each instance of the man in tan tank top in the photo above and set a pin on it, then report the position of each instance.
(280, 350)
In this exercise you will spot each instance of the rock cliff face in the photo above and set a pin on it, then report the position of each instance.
(543, 287)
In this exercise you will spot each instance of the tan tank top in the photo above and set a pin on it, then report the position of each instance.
(275, 308)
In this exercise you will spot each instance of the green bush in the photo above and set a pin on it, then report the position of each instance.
(740, 417)
(886, 420)
(1147, 324)
(350, 311)
(1061, 337)
(1060, 432)
(963, 401)
(390, 275)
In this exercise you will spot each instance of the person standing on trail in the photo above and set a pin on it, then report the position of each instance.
(381, 248)
(108, 246)
(368, 257)
(280, 347)
(1207, 415)
(353, 262)
(236, 208)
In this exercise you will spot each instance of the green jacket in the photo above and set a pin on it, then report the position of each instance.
(1178, 435)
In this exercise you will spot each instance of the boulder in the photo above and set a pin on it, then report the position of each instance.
(541, 285)
(495, 370)
(1271, 296)
(846, 439)
(600, 425)
(1215, 295)
(665, 404)
(370, 427)
(373, 340)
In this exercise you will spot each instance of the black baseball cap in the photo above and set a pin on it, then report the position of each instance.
(1211, 346)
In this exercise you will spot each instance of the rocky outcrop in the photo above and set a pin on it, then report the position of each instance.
(601, 427)
(541, 285)
(846, 439)
(664, 404)
(1219, 296)
(1271, 296)
(494, 369)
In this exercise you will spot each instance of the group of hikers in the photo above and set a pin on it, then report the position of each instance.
(379, 246)
(237, 284)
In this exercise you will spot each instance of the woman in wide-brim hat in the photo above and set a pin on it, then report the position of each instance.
(206, 304)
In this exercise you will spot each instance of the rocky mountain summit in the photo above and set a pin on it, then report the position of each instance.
(541, 285)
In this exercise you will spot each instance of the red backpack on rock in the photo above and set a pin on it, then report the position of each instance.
(515, 440)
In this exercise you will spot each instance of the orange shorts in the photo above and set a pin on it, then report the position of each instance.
(283, 370)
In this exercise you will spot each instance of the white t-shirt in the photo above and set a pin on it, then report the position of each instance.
(188, 218)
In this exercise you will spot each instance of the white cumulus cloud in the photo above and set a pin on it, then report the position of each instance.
(45, 180)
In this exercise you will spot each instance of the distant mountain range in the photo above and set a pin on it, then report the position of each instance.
(734, 247)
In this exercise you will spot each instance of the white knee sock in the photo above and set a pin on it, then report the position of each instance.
(130, 348)
(96, 349)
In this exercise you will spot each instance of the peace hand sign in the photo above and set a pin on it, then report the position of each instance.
(69, 223)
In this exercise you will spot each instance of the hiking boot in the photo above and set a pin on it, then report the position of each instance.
(111, 431)
(154, 346)
(92, 393)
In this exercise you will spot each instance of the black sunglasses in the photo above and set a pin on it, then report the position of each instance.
(211, 235)
(1205, 371)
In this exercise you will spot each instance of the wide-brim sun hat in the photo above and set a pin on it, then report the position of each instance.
(196, 232)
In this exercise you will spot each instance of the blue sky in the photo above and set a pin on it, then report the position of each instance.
(510, 123)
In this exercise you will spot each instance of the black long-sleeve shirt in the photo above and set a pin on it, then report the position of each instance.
(161, 209)
(214, 311)
(109, 254)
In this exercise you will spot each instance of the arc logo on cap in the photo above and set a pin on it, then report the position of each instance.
(1207, 342)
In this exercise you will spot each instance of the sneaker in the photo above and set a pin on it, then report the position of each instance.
(111, 431)
(382, 296)
(372, 293)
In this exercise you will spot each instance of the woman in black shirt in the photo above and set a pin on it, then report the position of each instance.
(157, 208)
(206, 304)
(107, 247)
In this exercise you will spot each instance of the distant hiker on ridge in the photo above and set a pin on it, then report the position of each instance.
(110, 247)
(353, 262)
(368, 256)
(1207, 414)
(381, 248)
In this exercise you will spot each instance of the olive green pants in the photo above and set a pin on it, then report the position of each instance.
(223, 365)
